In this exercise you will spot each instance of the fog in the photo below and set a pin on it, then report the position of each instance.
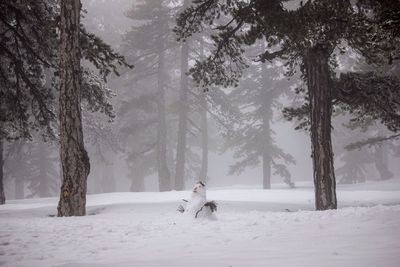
(124, 153)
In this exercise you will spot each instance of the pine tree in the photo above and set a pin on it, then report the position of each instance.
(253, 139)
(307, 35)
(17, 165)
(148, 44)
(44, 165)
(74, 159)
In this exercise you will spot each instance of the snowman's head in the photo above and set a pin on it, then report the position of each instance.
(199, 188)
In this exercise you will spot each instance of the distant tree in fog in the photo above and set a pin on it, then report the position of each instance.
(44, 175)
(182, 115)
(257, 97)
(101, 138)
(163, 119)
(17, 167)
(371, 152)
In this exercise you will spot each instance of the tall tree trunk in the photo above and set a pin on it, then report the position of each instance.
(266, 170)
(2, 194)
(266, 128)
(182, 124)
(164, 176)
(319, 88)
(74, 158)
(204, 139)
(204, 127)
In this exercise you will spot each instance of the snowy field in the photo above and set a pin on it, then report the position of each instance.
(254, 228)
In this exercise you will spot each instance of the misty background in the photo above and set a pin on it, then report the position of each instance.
(122, 150)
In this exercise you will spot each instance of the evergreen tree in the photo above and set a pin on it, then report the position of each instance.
(17, 165)
(253, 139)
(103, 147)
(307, 35)
(148, 44)
(44, 170)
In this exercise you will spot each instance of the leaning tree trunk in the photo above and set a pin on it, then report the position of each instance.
(2, 195)
(73, 156)
(319, 88)
(164, 176)
(182, 124)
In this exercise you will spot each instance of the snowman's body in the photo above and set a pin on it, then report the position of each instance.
(198, 206)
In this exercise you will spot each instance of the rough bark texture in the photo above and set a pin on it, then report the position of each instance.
(182, 124)
(319, 88)
(2, 194)
(74, 158)
(266, 128)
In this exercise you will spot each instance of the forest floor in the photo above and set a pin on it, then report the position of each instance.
(254, 227)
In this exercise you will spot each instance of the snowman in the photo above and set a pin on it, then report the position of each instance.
(198, 206)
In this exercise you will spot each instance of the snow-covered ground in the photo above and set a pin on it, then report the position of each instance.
(275, 227)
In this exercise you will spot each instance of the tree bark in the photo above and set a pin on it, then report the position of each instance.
(182, 124)
(74, 158)
(320, 95)
(2, 194)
